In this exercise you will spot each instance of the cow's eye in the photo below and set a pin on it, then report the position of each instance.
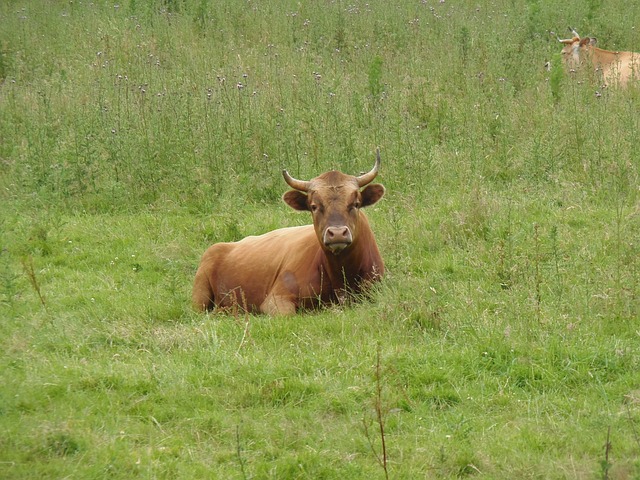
(314, 207)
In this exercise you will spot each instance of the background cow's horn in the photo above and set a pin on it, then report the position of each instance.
(367, 178)
(301, 185)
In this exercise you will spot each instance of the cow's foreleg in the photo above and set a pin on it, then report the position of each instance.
(278, 305)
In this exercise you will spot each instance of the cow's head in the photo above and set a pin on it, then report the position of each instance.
(574, 46)
(334, 200)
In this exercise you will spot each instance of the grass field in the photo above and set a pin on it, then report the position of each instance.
(504, 341)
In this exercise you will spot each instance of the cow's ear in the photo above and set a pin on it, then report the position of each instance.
(371, 194)
(588, 41)
(296, 200)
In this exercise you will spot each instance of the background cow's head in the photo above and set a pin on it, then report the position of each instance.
(334, 200)
(574, 46)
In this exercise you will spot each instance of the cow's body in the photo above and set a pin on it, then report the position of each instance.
(615, 68)
(298, 267)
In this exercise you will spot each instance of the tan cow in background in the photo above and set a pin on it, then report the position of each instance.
(615, 68)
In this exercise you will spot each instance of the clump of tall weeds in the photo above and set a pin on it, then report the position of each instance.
(555, 80)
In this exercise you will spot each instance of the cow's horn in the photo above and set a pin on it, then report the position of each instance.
(301, 185)
(367, 178)
(573, 30)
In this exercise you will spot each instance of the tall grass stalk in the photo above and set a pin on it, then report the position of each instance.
(29, 270)
(380, 418)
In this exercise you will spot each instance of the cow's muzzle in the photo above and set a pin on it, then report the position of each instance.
(337, 239)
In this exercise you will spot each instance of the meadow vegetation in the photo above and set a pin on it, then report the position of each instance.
(504, 342)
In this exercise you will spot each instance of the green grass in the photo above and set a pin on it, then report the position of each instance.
(502, 343)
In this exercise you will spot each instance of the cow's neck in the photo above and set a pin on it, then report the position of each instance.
(605, 56)
(342, 268)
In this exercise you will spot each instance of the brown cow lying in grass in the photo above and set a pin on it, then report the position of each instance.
(299, 267)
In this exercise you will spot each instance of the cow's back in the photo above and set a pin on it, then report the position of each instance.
(247, 272)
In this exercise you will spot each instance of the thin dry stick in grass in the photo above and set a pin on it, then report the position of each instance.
(382, 458)
(607, 450)
(380, 415)
(27, 264)
(239, 452)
